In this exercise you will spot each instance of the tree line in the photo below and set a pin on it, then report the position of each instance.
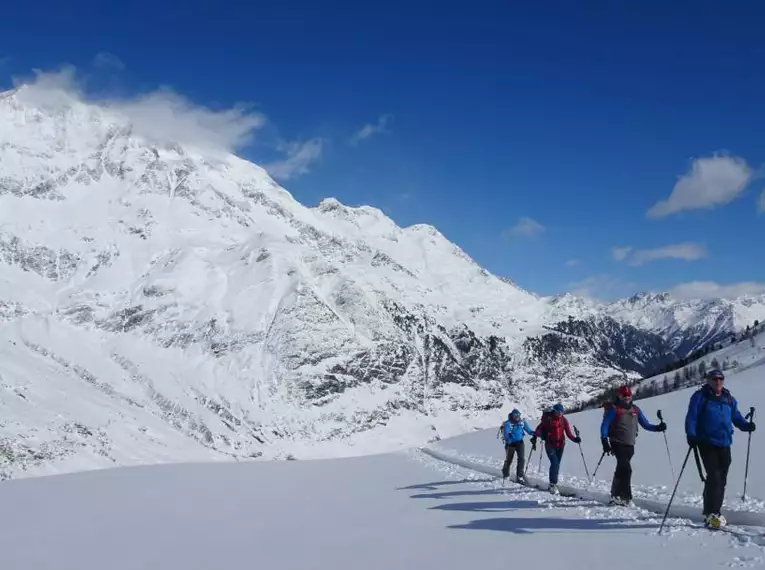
(688, 371)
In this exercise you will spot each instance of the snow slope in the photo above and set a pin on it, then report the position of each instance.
(163, 302)
(396, 510)
(652, 475)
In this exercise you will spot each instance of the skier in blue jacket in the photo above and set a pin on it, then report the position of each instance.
(512, 434)
(712, 413)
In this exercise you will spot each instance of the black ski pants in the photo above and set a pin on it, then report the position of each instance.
(716, 463)
(510, 451)
(621, 486)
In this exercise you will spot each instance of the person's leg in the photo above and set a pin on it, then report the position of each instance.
(520, 450)
(622, 483)
(509, 451)
(711, 460)
(723, 465)
(552, 455)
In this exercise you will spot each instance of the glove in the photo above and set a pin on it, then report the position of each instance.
(534, 443)
(662, 427)
(751, 427)
(606, 446)
(692, 441)
(577, 440)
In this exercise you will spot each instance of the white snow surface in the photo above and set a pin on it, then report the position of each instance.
(163, 303)
(399, 510)
(652, 476)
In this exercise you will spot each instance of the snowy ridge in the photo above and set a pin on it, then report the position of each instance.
(162, 302)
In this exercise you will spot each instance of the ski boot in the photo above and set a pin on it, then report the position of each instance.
(554, 490)
(521, 480)
(715, 521)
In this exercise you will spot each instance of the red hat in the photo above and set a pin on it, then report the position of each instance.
(625, 392)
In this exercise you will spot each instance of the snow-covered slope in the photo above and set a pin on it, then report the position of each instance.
(376, 512)
(167, 302)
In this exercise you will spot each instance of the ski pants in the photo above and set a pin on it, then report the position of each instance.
(716, 463)
(621, 486)
(555, 455)
(510, 450)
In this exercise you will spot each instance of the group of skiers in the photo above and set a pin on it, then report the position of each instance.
(712, 413)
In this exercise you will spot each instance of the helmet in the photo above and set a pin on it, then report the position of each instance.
(625, 392)
(715, 374)
(515, 412)
(558, 408)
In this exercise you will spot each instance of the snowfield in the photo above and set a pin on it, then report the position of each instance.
(400, 510)
(652, 476)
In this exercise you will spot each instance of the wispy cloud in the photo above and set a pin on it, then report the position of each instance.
(710, 182)
(602, 287)
(371, 129)
(620, 253)
(761, 203)
(713, 290)
(300, 156)
(107, 60)
(526, 227)
(688, 251)
(161, 115)
(572, 262)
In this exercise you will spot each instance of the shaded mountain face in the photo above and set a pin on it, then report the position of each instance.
(159, 302)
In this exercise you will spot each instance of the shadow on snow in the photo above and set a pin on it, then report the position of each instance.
(527, 525)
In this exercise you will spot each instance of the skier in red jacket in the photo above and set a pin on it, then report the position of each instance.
(552, 429)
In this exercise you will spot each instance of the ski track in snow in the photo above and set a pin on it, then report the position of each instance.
(674, 529)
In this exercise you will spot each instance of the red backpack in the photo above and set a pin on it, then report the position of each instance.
(553, 431)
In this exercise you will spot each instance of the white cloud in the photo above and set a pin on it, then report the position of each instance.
(370, 130)
(761, 203)
(162, 115)
(526, 227)
(601, 287)
(300, 156)
(710, 182)
(620, 253)
(572, 262)
(105, 59)
(688, 251)
(712, 290)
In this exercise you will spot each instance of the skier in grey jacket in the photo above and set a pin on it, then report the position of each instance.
(620, 426)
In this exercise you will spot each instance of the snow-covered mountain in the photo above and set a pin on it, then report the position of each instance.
(162, 302)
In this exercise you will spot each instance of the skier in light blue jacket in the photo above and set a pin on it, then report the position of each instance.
(512, 435)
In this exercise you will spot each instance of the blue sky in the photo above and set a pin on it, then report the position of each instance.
(538, 139)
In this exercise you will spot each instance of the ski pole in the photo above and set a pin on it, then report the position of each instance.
(540, 458)
(528, 462)
(698, 463)
(669, 504)
(596, 469)
(666, 443)
(576, 431)
(750, 417)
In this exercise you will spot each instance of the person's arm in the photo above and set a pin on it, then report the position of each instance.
(692, 415)
(567, 427)
(527, 428)
(644, 423)
(738, 419)
(605, 425)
